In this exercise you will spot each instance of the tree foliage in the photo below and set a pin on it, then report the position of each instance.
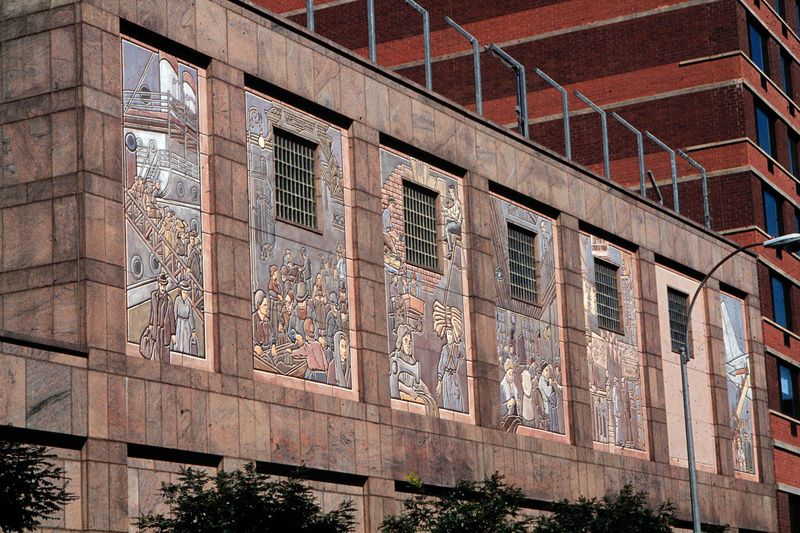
(32, 489)
(489, 507)
(625, 513)
(243, 501)
(493, 507)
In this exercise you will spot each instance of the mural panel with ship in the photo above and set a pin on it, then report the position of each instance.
(740, 395)
(162, 197)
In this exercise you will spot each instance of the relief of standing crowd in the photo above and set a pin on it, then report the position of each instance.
(301, 319)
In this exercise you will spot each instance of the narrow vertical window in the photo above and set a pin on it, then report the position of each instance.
(793, 162)
(607, 287)
(786, 73)
(794, 513)
(295, 184)
(419, 214)
(678, 318)
(787, 376)
(522, 263)
(780, 8)
(758, 46)
(797, 16)
(765, 130)
(781, 311)
(773, 221)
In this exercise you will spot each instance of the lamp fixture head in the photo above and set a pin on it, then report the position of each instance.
(789, 243)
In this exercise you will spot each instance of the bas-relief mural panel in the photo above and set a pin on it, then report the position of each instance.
(300, 290)
(528, 336)
(740, 396)
(426, 310)
(163, 223)
(614, 358)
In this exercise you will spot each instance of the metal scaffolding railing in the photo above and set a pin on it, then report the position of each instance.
(521, 109)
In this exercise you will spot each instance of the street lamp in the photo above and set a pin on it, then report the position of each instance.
(790, 243)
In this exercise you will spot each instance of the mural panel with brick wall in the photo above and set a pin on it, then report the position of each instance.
(299, 269)
(740, 394)
(613, 355)
(163, 222)
(528, 330)
(426, 306)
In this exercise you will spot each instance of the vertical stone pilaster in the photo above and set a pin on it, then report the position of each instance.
(480, 261)
(105, 490)
(651, 351)
(573, 319)
(366, 243)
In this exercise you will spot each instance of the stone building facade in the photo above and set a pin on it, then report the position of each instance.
(173, 293)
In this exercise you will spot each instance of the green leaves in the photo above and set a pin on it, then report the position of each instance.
(243, 501)
(625, 513)
(31, 488)
(493, 507)
(488, 507)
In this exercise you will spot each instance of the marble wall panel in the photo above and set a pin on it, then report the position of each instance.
(614, 357)
(300, 314)
(426, 308)
(529, 353)
(740, 392)
(164, 264)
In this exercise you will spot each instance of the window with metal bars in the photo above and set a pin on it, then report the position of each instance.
(606, 286)
(419, 214)
(522, 263)
(295, 182)
(678, 318)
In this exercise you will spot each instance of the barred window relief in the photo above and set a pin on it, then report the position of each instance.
(295, 183)
(522, 263)
(608, 316)
(678, 318)
(419, 214)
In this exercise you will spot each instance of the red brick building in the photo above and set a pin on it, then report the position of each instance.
(718, 79)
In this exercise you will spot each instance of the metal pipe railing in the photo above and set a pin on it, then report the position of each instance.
(639, 150)
(522, 86)
(704, 183)
(674, 168)
(564, 107)
(655, 186)
(604, 125)
(373, 49)
(426, 36)
(310, 15)
(476, 62)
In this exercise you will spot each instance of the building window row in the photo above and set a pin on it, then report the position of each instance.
(758, 49)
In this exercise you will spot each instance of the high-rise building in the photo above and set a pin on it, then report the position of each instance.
(225, 239)
(718, 79)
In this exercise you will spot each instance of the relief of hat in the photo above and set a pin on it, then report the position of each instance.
(162, 279)
(302, 293)
(184, 285)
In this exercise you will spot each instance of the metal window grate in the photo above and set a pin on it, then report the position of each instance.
(678, 318)
(419, 214)
(295, 186)
(522, 263)
(607, 296)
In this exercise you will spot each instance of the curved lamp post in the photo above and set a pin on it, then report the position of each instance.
(790, 243)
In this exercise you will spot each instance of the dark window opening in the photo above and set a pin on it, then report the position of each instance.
(606, 285)
(678, 318)
(522, 263)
